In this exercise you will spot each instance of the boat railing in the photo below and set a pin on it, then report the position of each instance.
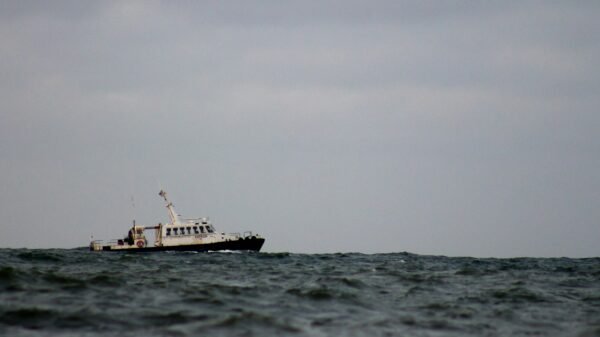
(244, 235)
(108, 242)
(202, 220)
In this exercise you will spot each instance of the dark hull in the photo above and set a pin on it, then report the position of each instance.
(250, 244)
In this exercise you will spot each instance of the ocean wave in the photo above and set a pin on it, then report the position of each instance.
(78, 293)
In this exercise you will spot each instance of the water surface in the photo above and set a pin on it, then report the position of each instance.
(80, 293)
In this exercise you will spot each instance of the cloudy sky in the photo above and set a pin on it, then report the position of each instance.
(434, 127)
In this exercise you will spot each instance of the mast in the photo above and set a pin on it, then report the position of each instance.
(174, 217)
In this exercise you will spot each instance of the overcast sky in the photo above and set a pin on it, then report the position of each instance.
(434, 127)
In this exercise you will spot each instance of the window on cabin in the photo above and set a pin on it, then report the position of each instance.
(168, 231)
(189, 229)
(196, 230)
(175, 231)
(209, 229)
(182, 230)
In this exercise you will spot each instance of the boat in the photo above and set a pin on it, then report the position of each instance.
(197, 234)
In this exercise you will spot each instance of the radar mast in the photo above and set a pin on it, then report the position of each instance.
(174, 217)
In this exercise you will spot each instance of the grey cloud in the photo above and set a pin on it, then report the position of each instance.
(458, 129)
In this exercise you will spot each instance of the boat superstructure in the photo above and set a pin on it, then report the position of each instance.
(196, 234)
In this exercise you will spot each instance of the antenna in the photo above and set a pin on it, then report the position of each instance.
(133, 208)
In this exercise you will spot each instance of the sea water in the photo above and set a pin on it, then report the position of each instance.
(75, 292)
